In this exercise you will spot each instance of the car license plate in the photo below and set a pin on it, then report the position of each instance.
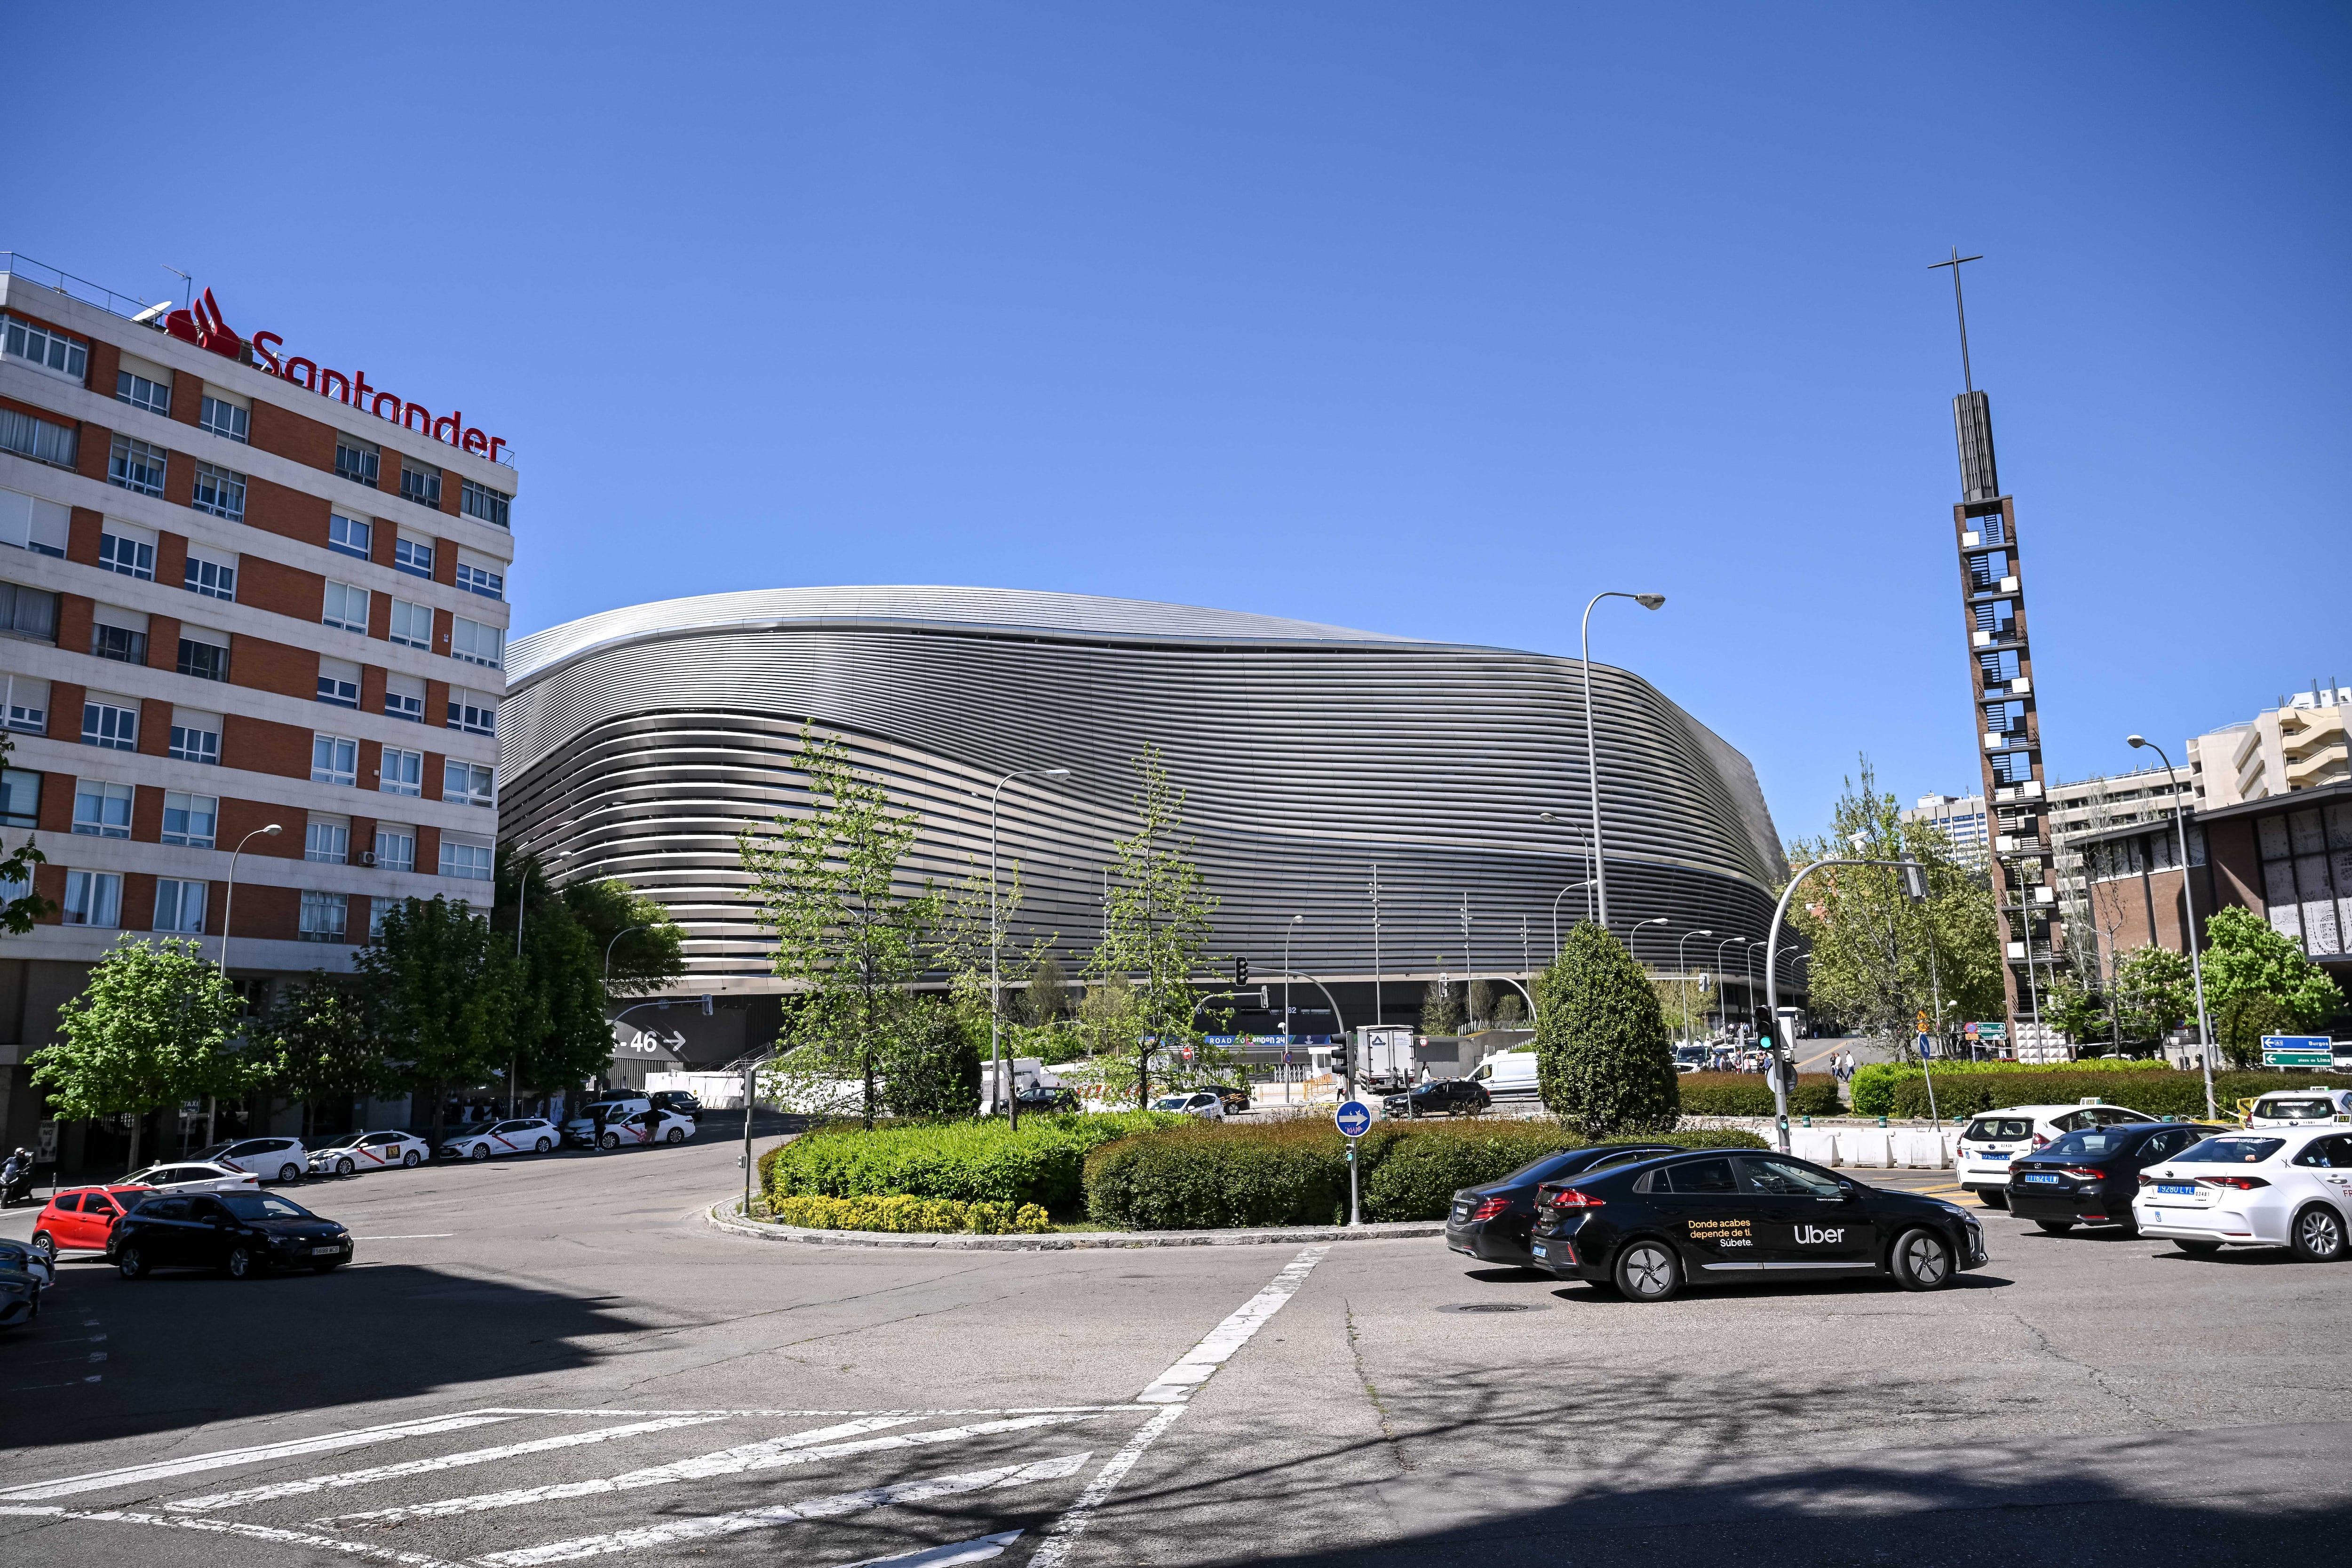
(1541, 1250)
(316, 1250)
(2030, 1178)
(2173, 1192)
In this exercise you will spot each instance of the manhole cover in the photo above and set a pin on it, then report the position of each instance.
(1492, 1307)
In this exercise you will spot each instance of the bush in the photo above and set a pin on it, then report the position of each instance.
(1296, 1172)
(2157, 1093)
(1747, 1094)
(967, 1161)
(1874, 1086)
(901, 1213)
(1603, 1062)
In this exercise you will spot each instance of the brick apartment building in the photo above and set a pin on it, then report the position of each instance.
(237, 589)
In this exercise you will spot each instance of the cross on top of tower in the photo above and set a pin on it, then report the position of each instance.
(1967, 381)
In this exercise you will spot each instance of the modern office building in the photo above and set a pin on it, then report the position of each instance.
(1962, 819)
(1315, 762)
(241, 590)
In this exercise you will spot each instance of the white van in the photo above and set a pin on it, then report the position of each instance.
(1507, 1075)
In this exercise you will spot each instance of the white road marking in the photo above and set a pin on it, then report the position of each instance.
(1061, 1537)
(655, 1535)
(426, 1467)
(135, 1474)
(774, 1454)
(236, 1528)
(980, 1549)
(1176, 1385)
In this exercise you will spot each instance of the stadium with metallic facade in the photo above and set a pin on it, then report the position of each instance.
(638, 743)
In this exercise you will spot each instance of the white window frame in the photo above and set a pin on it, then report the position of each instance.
(207, 575)
(471, 716)
(335, 759)
(109, 715)
(136, 466)
(402, 772)
(363, 548)
(198, 815)
(184, 898)
(406, 617)
(327, 841)
(45, 349)
(413, 556)
(155, 396)
(93, 899)
(191, 744)
(463, 632)
(323, 917)
(395, 848)
(18, 709)
(120, 550)
(477, 783)
(339, 607)
(465, 861)
(481, 581)
(102, 809)
(225, 419)
(218, 491)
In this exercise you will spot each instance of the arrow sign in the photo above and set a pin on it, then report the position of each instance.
(1353, 1118)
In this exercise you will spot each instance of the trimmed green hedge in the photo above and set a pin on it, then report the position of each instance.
(1747, 1094)
(1211, 1177)
(2157, 1093)
(901, 1213)
(1874, 1086)
(967, 1161)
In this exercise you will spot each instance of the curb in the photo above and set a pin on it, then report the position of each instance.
(723, 1216)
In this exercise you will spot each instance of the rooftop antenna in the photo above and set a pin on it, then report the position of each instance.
(1968, 380)
(190, 283)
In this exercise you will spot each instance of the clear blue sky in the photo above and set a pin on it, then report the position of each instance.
(1433, 320)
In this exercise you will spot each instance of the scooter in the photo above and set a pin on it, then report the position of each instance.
(16, 1183)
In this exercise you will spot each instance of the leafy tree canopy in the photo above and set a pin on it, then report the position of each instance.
(1603, 1062)
(440, 993)
(2244, 956)
(152, 1027)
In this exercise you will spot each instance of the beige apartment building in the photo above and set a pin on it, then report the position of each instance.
(238, 590)
(2300, 745)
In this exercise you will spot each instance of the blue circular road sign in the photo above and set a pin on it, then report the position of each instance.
(1354, 1117)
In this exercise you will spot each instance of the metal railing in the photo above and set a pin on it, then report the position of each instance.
(18, 264)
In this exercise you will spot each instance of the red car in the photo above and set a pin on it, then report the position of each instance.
(81, 1219)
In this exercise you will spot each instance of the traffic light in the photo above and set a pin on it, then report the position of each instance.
(1339, 1063)
(1241, 972)
(1915, 880)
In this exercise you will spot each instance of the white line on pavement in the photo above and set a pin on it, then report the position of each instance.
(674, 1530)
(1062, 1536)
(236, 1528)
(135, 1475)
(426, 1467)
(1177, 1384)
(774, 1454)
(980, 1549)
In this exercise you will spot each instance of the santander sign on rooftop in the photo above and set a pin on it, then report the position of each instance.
(201, 324)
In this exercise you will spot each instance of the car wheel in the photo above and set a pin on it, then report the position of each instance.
(1922, 1260)
(287, 1173)
(1992, 1198)
(2319, 1235)
(345, 1167)
(240, 1263)
(45, 1245)
(611, 1140)
(675, 1135)
(411, 1159)
(1647, 1271)
(478, 1151)
(132, 1262)
(2055, 1227)
(541, 1147)
(2199, 1248)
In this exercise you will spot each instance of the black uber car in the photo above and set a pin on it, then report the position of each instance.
(240, 1234)
(1439, 1096)
(2091, 1175)
(1731, 1216)
(1490, 1222)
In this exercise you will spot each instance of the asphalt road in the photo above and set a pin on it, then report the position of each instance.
(555, 1359)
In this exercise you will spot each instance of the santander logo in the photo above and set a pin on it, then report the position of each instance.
(202, 325)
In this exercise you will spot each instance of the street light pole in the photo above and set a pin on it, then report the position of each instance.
(1682, 963)
(997, 1075)
(1555, 910)
(1286, 986)
(1591, 753)
(228, 899)
(2188, 909)
(1723, 997)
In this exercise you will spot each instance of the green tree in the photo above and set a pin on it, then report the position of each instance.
(647, 948)
(2240, 1024)
(440, 995)
(934, 1064)
(2245, 958)
(1156, 925)
(316, 1048)
(2154, 994)
(20, 908)
(1879, 957)
(848, 932)
(152, 1027)
(1603, 1062)
(558, 1032)
(1440, 1009)
(2080, 1011)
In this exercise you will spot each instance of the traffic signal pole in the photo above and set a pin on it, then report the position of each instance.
(1785, 1063)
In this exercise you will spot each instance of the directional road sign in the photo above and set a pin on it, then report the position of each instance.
(2297, 1051)
(1354, 1117)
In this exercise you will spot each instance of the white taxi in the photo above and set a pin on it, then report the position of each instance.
(357, 1151)
(2300, 1108)
(2271, 1187)
(646, 1127)
(523, 1135)
(193, 1176)
(1991, 1140)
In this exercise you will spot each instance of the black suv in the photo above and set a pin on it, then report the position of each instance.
(240, 1234)
(1720, 1217)
(1440, 1097)
(678, 1101)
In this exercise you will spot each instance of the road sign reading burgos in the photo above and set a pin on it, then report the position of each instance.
(1353, 1118)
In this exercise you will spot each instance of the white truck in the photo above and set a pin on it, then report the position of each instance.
(1383, 1056)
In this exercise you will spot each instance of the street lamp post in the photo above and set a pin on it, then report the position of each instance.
(228, 899)
(1681, 963)
(1555, 910)
(1591, 753)
(1753, 944)
(997, 1075)
(1285, 984)
(2188, 909)
(1723, 997)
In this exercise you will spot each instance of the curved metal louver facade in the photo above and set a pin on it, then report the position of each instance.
(638, 743)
